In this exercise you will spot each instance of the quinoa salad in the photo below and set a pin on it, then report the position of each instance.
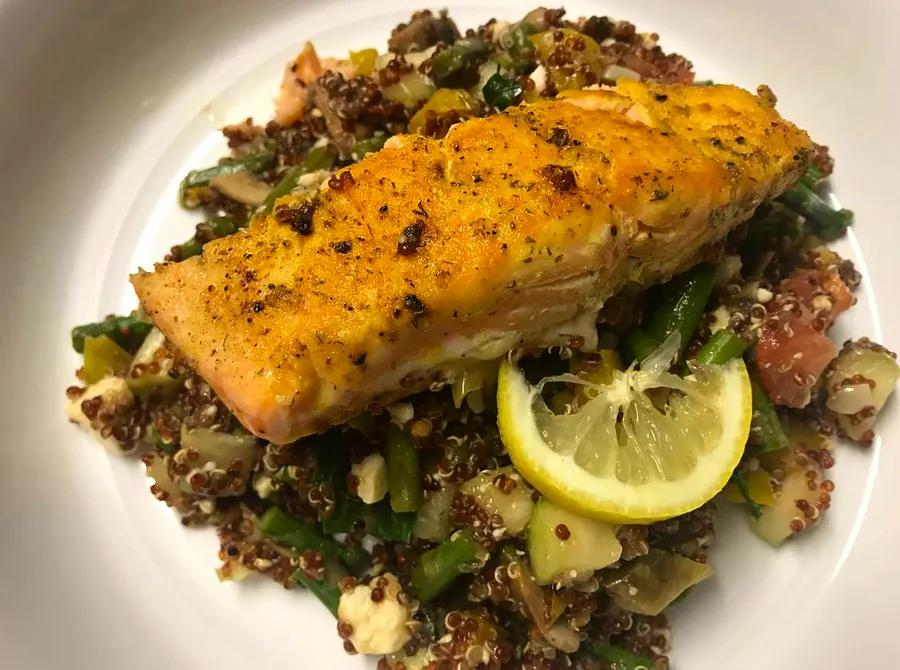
(414, 523)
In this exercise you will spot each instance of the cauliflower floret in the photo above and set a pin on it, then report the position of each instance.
(114, 393)
(401, 412)
(721, 318)
(372, 476)
(376, 615)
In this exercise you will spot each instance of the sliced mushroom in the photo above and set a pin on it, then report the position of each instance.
(423, 30)
(243, 187)
(300, 73)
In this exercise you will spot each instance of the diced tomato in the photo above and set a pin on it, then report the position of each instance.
(823, 292)
(793, 350)
(803, 284)
(841, 297)
(790, 360)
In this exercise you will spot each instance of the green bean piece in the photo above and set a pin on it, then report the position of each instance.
(638, 344)
(126, 331)
(827, 223)
(721, 348)
(328, 594)
(403, 473)
(453, 63)
(741, 483)
(253, 163)
(367, 146)
(304, 536)
(683, 303)
(501, 92)
(765, 423)
(620, 658)
(438, 567)
(317, 158)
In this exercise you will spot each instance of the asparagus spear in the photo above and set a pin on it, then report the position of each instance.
(620, 658)
(302, 536)
(367, 146)
(126, 331)
(379, 519)
(721, 348)
(438, 567)
(332, 466)
(451, 64)
(254, 163)
(683, 301)
(811, 177)
(680, 310)
(318, 158)
(326, 590)
(639, 345)
(404, 475)
(220, 226)
(766, 423)
(827, 223)
(519, 49)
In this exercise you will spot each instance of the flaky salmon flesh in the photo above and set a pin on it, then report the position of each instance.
(510, 232)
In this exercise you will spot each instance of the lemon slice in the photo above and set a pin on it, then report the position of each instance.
(647, 446)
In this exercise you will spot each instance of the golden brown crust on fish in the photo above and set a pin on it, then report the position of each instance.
(509, 231)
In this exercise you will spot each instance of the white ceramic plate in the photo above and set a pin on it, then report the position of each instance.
(105, 105)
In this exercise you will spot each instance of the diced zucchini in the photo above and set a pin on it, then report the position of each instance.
(152, 366)
(433, 517)
(364, 61)
(583, 62)
(860, 381)
(588, 545)
(758, 486)
(443, 101)
(422, 659)
(503, 492)
(412, 88)
(167, 488)
(102, 358)
(472, 377)
(219, 451)
(113, 394)
(648, 584)
(774, 523)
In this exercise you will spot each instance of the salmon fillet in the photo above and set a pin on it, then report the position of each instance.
(510, 232)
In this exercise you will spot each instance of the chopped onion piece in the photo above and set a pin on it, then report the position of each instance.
(619, 72)
(850, 399)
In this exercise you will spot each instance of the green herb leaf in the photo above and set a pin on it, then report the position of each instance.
(501, 92)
